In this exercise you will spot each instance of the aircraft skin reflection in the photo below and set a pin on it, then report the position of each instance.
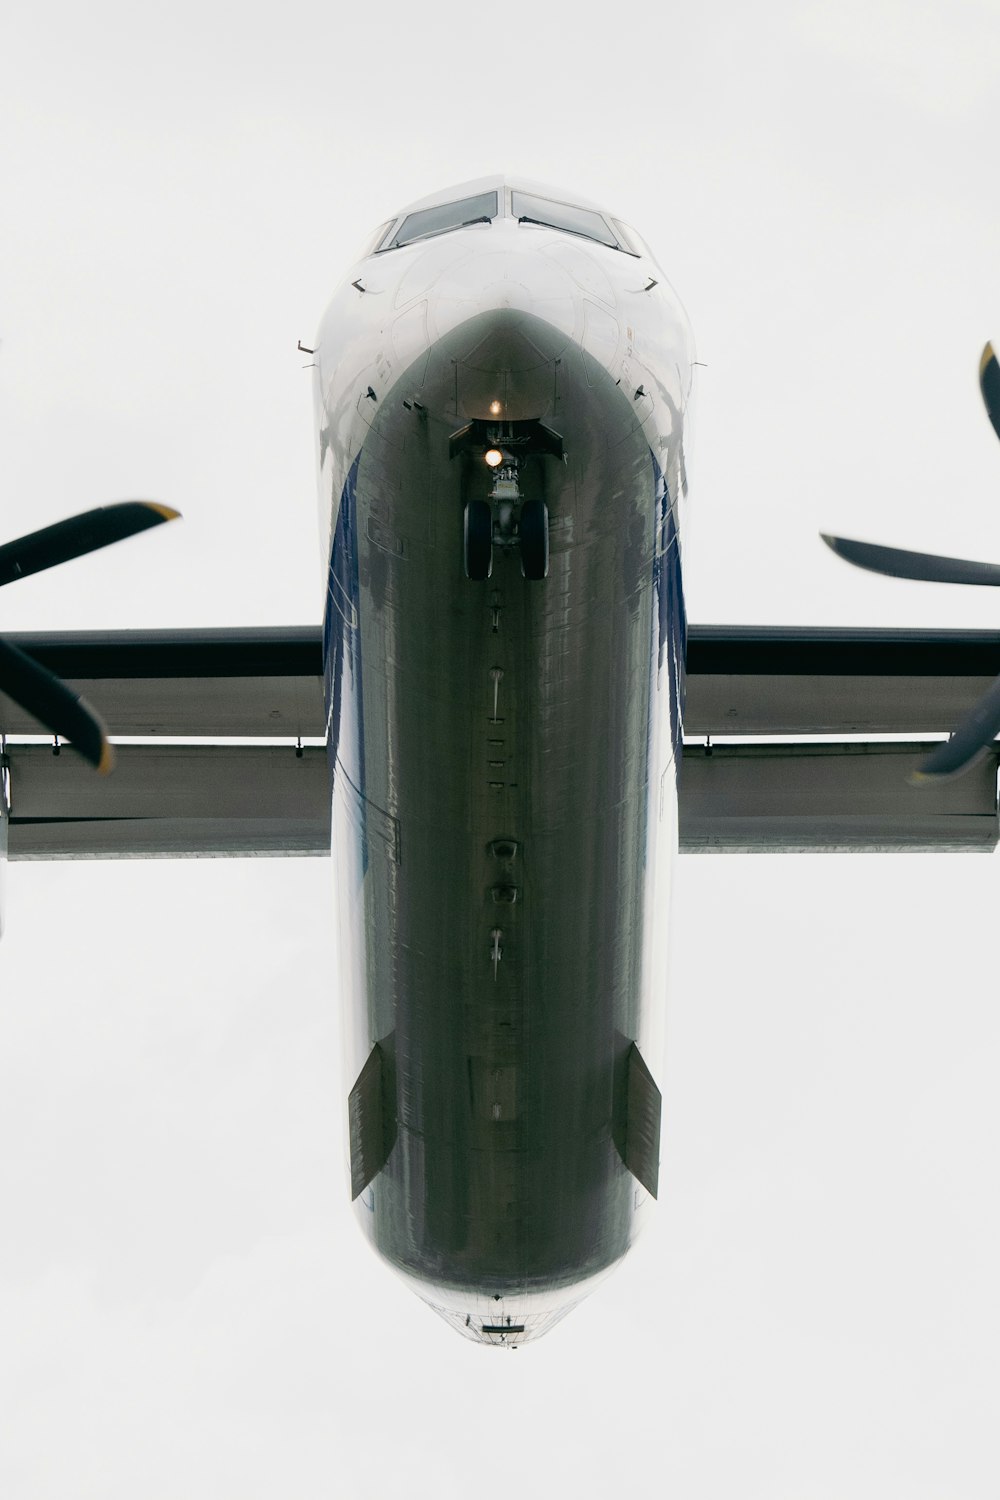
(504, 657)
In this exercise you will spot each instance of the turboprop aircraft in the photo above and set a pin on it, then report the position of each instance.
(488, 725)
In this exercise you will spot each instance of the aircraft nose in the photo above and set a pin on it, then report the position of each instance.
(503, 282)
(505, 319)
(505, 355)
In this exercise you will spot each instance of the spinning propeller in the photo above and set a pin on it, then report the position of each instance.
(981, 726)
(36, 689)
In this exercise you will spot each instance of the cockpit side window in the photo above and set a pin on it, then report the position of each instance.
(374, 240)
(430, 221)
(630, 241)
(528, 209)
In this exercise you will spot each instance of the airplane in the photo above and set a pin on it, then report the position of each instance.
(504, 728)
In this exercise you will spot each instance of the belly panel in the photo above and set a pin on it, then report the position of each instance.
(503, 814)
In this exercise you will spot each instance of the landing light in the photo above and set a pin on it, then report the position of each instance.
(493, 457)
(495, 408)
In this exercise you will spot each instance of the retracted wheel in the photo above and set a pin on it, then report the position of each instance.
(534, 534)
(478, 539)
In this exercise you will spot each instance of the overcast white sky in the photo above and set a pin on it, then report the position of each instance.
(186, 1307)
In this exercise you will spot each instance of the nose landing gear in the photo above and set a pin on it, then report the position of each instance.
(533, 535)
(503, 517)
(478, 540)
(509, 522)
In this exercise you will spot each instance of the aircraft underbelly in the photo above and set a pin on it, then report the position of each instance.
(504, 814)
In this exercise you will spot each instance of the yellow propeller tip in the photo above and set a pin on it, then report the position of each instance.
(166, 511)
(106, 764)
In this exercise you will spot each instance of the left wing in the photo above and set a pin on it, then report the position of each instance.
(209, 729)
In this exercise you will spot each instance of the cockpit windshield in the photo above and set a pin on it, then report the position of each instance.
(528, 209)
(430, 221)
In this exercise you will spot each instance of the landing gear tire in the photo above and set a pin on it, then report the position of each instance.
(533, 529)
(478, 540)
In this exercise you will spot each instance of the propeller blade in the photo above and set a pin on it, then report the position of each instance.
(925, 566)
(48, 699)
(975, 734)
(78, 535)
(989, 384)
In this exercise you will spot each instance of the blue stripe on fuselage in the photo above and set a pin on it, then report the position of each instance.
(342, 643)
(670, 615)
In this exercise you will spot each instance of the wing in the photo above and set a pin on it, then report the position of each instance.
(209, 728)
(785, 751)
(793, 754)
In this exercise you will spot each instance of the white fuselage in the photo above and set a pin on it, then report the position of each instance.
(503, 748)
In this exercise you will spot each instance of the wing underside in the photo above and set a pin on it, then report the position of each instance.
(219, 748)
(805, 740)
(796, 740)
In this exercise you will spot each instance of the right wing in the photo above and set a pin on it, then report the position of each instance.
(794, 755)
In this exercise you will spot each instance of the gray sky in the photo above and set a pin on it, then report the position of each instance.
(185, 1304)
